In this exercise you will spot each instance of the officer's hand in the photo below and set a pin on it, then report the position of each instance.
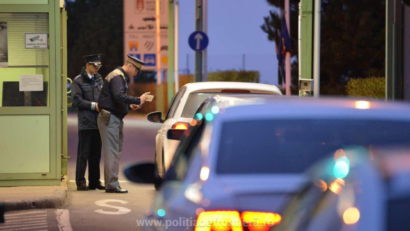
(135, 107)
(96, 107)
(143, 97)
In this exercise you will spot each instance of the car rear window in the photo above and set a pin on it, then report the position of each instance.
(195, 99)
(291, 146)
(398, 214)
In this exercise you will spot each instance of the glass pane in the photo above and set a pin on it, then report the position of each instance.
(291, 146)
(24, 59)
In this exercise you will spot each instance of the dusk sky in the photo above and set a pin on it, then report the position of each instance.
(233, 30)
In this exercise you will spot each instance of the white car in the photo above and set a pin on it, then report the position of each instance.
(183, 107)
(243, 163)
(365, 189)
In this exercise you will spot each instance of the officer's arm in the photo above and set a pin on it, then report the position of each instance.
(119, 94)
(78, 100)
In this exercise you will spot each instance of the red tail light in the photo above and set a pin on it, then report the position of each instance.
(219, 221)
(233, 221)
(180, 126)
(258, 221)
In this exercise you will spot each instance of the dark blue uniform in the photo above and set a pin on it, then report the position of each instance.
(86, 92)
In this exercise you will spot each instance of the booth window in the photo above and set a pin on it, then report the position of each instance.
(24, 59)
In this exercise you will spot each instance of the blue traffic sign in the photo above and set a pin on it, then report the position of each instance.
(198, 41)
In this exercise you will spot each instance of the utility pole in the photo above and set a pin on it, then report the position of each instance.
(172, 50)
(316, 47)
(176, 46)
(205, 29)
(305, 47)
(198, 27)
(287, 57)
(158, 38)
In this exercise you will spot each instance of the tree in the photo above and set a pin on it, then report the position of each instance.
(94, 26)
(352, 40)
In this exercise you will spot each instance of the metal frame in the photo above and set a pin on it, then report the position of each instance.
(54, 109)
(171, 49)
(394, 50)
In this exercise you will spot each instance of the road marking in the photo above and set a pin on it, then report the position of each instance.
(103, 203)
(121, 181)
(35, 216)
(29, 228)
(20, 221)
(63, 219)
(11, 214)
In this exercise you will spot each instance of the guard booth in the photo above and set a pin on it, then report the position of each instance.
(33, 110)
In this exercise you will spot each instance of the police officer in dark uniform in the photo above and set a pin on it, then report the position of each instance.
(86, 89)
(115, 103)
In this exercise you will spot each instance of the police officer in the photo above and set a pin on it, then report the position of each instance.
(115, 103)
(86, 89)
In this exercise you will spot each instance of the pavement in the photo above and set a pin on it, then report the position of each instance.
(33, 197)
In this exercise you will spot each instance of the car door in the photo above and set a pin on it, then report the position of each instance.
(167, 203)
(166, 125)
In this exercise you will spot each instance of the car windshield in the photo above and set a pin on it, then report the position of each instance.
(195, 99)
(291, 146)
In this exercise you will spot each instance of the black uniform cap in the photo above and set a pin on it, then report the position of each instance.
(93, 59)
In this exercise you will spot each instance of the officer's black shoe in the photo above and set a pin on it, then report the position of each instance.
(116, 190)
(100, 187)
(82, 187)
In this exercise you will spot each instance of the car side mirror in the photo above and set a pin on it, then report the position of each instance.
(175, 134)
(155, 117)
(143, 173)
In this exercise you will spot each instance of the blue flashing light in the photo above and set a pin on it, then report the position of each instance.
(199, 116)
(161, 213)
(342, 167)
(215, 109)
(209, 116)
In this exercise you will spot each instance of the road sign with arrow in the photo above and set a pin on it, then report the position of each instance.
(198, 41)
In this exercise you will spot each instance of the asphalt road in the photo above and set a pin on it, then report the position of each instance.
(97, 210)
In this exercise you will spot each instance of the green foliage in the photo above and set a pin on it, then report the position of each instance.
(234, 76)
(352, 40)
(367, 87)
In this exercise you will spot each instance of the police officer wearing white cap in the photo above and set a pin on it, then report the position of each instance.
(86, 89)
(114, 104)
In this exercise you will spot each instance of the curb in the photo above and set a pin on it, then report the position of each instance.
(57, 200)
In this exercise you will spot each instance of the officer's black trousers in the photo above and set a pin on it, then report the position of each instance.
(89, 150)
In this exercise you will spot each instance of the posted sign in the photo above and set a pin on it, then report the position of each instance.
(36, 41)
(140, 32)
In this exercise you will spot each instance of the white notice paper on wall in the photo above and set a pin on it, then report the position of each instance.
(31, 83)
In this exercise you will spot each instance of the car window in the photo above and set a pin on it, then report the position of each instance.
(174, 103)
(296, 214)
(291, 146)
(398, 210)
(184, 153)
(324, 215)
(196, 98)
